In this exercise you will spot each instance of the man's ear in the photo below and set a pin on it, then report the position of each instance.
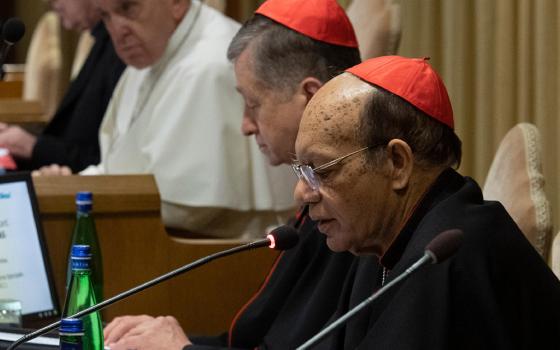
(401, 162)
(309, 86)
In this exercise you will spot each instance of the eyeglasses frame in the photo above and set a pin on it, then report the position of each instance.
(310, 178)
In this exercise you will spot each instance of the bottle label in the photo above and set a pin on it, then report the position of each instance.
(83, 207)
(80, 264)
(69, 346)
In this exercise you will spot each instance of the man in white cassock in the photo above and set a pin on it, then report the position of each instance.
(175, 113)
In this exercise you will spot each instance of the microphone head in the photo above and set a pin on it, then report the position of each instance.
(283, 238)
(13, 30)
(444, 245)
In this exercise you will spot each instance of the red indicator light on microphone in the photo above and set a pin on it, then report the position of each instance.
(272, 241)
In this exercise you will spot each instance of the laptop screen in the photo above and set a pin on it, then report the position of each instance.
(25, 273)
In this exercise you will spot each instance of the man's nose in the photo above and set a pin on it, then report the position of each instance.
(248, 126)
(304, 194)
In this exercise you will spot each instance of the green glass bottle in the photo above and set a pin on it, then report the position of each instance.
(85, 233)
(80, 296)
(71, 332)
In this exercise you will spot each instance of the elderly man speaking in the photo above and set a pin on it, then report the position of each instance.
(375, 152)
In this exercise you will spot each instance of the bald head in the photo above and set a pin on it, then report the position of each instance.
(332, 117)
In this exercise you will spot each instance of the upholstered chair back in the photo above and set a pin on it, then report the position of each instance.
(219, 5)
(555, 255)
(85, 43)
(43, 64)
(377, 24)
(516, 180)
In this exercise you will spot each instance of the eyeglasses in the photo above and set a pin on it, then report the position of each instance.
(309, 175)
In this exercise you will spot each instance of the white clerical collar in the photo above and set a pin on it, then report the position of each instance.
(180, 35)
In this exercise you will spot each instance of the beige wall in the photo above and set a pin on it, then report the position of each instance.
(499, 60)
(29, 11)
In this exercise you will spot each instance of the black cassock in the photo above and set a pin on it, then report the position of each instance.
(495, 293)
(72, 136)
(295, 301)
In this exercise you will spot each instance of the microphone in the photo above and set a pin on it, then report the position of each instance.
(439, 249)
(12, 31)
(282, 238)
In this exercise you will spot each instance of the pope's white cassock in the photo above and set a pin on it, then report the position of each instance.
(180, 120)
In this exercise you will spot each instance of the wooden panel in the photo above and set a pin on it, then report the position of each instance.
(16, 111)
(136, 248)
(113, 193)
(15, 72)
(11, 89)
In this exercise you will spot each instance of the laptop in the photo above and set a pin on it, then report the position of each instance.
(25, 272)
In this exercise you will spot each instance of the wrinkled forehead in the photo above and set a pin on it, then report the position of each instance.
(333, 114)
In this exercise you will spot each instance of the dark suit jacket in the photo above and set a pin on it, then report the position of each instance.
(71, 138)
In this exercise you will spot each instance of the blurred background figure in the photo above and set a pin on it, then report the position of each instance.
(175, 114)
(71, 137)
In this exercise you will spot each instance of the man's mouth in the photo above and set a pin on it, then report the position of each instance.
(324, 225)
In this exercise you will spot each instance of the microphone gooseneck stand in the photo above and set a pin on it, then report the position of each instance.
(425, 259)
(137, 289)
(439, 249)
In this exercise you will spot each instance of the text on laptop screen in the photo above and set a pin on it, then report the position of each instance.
(24, 270)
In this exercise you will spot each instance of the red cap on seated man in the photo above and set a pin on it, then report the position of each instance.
(376, 150)
(342, 128)
(278, 70)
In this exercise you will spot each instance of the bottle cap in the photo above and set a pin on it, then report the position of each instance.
(72, 326)
(84, 197)
(81, 251)
(84, 200)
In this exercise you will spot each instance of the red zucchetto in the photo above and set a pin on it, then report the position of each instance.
(413, 79)
(322, 20)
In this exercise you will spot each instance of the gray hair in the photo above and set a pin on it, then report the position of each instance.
(283, 57)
